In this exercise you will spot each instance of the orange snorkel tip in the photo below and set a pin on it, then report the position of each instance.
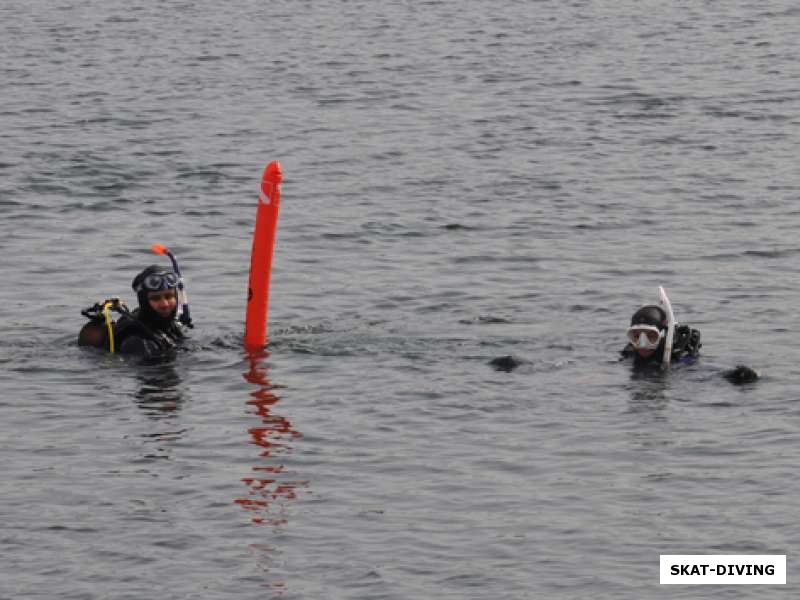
(184, 315)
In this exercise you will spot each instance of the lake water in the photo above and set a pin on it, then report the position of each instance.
(462, 181)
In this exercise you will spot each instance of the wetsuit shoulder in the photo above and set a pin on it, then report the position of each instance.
(127, 326)
(140, 346)
(135, 337)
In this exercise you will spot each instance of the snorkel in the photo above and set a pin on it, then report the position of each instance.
(667, 306)
(183, 299)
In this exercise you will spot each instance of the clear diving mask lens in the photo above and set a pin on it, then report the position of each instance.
(645, 337)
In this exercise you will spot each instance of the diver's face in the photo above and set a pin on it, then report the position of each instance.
(645, 339)
(163, 302)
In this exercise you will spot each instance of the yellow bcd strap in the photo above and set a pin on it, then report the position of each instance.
(114, 303)
(109, 324)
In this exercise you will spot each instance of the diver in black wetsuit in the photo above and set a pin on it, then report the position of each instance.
(150, 330)
(647, 341)
(647, 337)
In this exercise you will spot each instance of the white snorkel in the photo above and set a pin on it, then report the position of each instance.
(663, 300)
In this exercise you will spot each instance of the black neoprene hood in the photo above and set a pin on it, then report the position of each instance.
(650, 315)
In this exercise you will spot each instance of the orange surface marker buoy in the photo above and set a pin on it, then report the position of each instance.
(255, 328)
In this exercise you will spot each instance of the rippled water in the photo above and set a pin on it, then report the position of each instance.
(463, 181)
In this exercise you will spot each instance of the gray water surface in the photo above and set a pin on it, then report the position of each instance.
(463, 181)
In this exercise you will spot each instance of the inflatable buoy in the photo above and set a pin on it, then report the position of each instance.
(255, 329)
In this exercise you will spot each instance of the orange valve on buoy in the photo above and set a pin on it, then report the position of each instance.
(255, 329)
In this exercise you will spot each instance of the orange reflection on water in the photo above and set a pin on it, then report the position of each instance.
(268, 491)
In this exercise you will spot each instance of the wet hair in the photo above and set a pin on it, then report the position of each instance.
(650, 315)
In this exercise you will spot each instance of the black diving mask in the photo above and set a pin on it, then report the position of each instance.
(158, 281)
